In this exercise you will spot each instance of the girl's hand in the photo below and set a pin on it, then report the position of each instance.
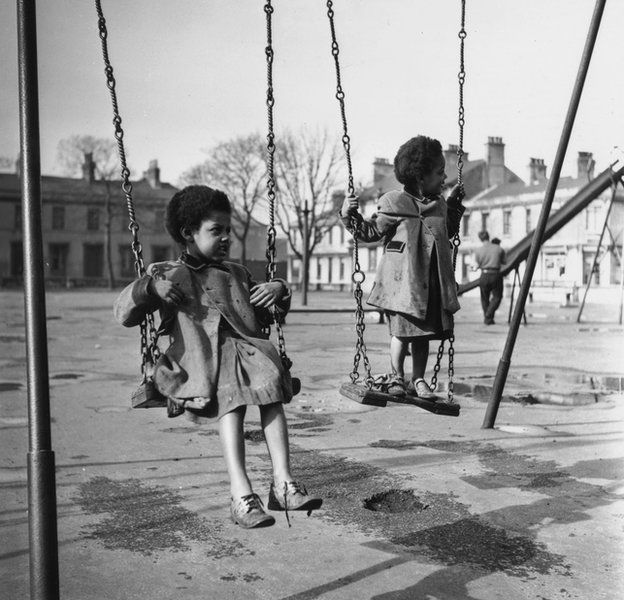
(457, 195)
(266, 294)
(168, 292)
(349, 207)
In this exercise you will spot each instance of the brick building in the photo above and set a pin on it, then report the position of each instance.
(498, 200)
(74, 228)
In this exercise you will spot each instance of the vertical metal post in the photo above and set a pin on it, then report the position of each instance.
(305, 254)
(621, 284)
(44, 578)
(538, 235)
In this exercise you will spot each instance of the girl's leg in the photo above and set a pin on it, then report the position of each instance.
(420, 355)
(273, 422)
(233, 444)
(398, 352)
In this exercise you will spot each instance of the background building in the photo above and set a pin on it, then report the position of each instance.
(499, 201)
(75, 214)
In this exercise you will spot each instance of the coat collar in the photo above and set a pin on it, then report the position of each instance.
(196, 264)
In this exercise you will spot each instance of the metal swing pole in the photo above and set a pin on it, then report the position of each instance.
(596, 261)
(44, 577)
(538, 235)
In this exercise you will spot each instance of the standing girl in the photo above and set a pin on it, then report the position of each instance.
(218, 361)
(415, 283)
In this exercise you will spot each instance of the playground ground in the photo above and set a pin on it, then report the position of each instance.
(417, 506)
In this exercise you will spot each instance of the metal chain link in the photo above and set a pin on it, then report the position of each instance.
(461, 76)
(461, 120)
(358, 275)
(436, 367)
(271, 267)
(149, 346)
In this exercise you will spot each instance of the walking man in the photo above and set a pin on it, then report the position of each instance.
(490, 257)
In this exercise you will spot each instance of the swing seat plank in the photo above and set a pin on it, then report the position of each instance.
(435, 405)
(361, 394)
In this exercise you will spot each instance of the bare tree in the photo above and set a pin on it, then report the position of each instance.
(71, 153)
(308, 166)
(238, 167)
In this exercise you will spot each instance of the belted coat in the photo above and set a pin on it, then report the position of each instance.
(214, 295)
(411, 229)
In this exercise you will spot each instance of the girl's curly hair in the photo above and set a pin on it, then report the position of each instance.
(192, 205)
(416, 158)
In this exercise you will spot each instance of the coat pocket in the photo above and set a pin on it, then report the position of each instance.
(395, 246)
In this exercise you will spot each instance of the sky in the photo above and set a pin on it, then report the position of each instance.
(192, 73)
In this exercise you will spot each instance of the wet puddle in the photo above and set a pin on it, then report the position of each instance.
(147, 519)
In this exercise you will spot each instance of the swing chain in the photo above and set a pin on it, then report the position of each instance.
(149, 347)
(271, 268)
(461, 120)
(451, 370)
(358, 275)
(461, 76)
(436, 367)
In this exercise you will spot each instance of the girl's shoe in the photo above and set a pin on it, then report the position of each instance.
(391, 384)
(248, 512)
(422, 389)
(292, 496)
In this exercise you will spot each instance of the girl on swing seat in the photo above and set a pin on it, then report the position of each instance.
(415, 283)
(219, 361)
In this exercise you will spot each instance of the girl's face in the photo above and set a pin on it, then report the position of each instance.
(212, 240)
(434, 180)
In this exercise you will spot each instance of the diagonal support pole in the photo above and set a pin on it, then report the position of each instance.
(536, 242)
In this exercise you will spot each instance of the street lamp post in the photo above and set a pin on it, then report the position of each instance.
(305, 254)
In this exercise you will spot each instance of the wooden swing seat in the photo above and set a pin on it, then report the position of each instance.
(363, 395)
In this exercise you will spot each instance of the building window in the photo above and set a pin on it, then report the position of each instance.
(342, 270)
(616, 266)
(17, 259)
(58, 217)
(527, 221)
(588, 261)
(126, 261)
(591, 219)
(159, 219)
(58, 259)
(93, 265)
(160, 253)
(372, 258)
(342, 235)
(318, 269)
(329, 270)
(506, 222)
(330, 236)
(465, 225)
(484, 220)
(17, 217)
(93, 219)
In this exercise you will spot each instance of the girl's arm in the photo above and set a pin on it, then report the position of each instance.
(367, 230)
(144, 296)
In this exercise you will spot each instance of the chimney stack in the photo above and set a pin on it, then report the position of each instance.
(585, 166)
(495, 161)
(88, 168)
(153, 174)
(537, 171)
(381, 169)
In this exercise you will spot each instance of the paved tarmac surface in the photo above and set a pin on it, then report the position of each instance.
(417, 506)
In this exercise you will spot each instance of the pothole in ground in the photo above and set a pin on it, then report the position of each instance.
(394, 501)
(9, 386)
